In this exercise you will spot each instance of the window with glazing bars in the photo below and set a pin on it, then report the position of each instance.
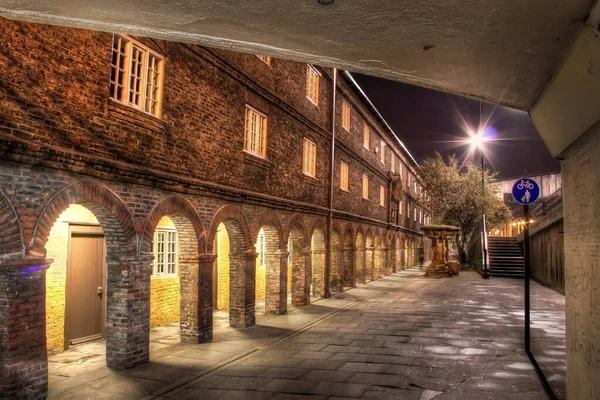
(346, 116)
(165, 252)
(312, 84)
(344, 175)
(255, 138)
(136, 75)
(366, 136)
(309, 164)
(382, 152)
(365, 187)
(262, 248)
(381, 196)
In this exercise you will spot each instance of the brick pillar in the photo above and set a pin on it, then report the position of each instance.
(196, 298)
(128, 311)
(392, 266)
(363, 275)
(353, 269)
(23, 356)
(301, 278)
(383, 258)
(342, 266)
(276, 293)
(318, 277)
(371, 255)
(242, 269)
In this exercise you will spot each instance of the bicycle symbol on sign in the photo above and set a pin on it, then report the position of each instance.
(525, 185)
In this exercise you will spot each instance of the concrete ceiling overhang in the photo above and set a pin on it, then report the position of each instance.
(500, 51)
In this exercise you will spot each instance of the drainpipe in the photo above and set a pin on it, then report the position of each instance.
(328, 257)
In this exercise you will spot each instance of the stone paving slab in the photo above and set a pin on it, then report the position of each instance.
(402, 337)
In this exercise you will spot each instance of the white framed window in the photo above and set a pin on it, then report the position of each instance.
(165, 252)
(381, 196)
(415, 186)
(366, 136)
(136, 75)
(382, 152)
(365, 187)
(290, 248)
(400, 166)
(255, 137)
(309, 160)
(312, 84)
(415, 214)
(344, 173)
(345, 116)
(400, 207)
(265, 59)
(393, 162)
(262, 248)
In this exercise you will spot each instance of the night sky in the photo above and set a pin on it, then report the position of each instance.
(427, 121)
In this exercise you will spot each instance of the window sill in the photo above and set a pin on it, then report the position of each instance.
(310, 179)
(366, 147)
(345, 190)
(311, 100)
(127, 112)
(254, 159)
(165, 276)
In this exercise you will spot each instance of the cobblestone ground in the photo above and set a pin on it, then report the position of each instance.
(401, 337)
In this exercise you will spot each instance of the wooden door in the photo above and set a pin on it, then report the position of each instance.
(85, 291)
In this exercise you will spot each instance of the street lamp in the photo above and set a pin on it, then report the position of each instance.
(477, 141)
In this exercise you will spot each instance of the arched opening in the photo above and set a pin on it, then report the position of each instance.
(298, 273)
(377, 259)
(389, 255)
(268, 291)
(349, 275)
(76, 281)
(317, 245)
(234, 271)
(360, 258)
(369, 249)
(336, 262)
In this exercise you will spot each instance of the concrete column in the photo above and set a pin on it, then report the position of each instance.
(23, 356)
(196, 298)
(242, 268)
(128, 311)
(567, 116)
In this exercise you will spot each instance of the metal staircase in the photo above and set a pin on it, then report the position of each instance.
(505, 257)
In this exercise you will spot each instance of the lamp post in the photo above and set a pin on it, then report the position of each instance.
(477, 140)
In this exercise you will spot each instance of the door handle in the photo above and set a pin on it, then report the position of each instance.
(99, 291)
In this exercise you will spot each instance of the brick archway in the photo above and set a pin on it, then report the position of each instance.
(105, 204)
(318, 245)
(240, 264)
(171, 206)
(12, 242)
(128, 273)
(224, 214)
(301, 261)
(271, 265)
(193, 300)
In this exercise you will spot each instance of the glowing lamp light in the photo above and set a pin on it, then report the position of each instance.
(477, 139)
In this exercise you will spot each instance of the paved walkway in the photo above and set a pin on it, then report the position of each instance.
(401, 337)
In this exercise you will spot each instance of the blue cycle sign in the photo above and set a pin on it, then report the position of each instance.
(526, 191)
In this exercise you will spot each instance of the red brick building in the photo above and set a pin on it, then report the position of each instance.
(235, 149)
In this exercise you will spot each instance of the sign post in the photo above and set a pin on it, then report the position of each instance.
(526, 191)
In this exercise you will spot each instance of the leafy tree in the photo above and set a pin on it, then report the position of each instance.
(454, 193)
